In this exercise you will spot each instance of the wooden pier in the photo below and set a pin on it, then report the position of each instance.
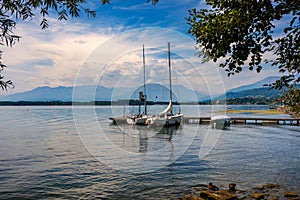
(247, 120)
(234, 120)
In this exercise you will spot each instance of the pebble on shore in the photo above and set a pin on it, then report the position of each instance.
(258, 195)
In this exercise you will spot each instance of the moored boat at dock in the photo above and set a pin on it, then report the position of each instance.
(167, 117)
(220, 122)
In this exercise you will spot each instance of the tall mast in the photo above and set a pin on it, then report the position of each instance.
(170, 81)
(145, 100)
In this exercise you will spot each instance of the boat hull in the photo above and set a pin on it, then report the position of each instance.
(174, 120)
(136, 120)
(220, 122)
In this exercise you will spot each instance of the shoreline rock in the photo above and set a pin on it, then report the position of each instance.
(268, 191)
(219, 195)
(258, 195)
(290, 194)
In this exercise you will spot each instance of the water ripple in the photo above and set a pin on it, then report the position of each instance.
(42, 157)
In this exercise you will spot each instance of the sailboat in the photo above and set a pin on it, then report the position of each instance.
(167, 117)
(140, 118)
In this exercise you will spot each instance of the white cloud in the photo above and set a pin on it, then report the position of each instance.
(66, 48)
(105, 56)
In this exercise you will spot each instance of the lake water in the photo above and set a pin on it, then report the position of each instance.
(64, 152)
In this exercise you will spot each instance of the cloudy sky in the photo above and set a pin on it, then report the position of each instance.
(107, 50)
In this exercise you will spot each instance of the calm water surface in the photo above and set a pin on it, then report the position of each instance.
(65, 152)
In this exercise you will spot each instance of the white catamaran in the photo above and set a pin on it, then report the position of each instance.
(167, 117)
(140, 118)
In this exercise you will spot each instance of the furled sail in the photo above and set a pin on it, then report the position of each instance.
(165, 111)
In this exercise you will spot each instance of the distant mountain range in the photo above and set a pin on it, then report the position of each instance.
(256, 92)
(256, 89)
(155, 92)
(259, 84)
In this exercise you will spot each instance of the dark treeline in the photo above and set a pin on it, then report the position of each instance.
(34, 103)
(250, 100)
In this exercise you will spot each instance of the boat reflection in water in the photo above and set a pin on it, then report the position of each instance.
(143, 139)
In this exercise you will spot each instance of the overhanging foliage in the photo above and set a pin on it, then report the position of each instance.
(238, 33)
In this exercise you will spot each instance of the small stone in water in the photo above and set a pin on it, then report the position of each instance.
(232, 187)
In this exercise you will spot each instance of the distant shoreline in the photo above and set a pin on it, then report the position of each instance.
(108, 103)
(94, 103)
